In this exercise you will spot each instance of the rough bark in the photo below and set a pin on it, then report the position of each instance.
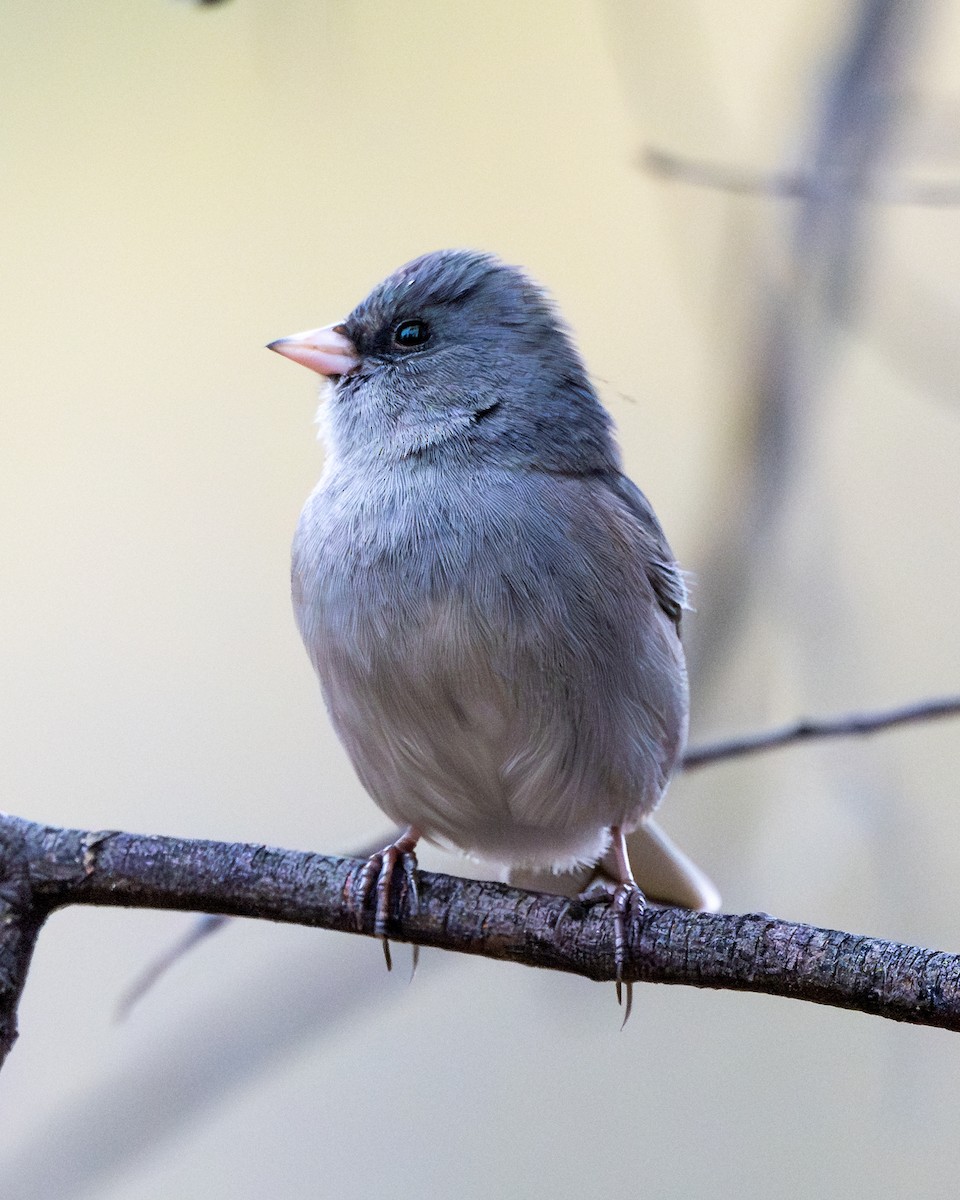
(45, 868)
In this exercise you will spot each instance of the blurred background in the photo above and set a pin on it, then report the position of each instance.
(749, 211)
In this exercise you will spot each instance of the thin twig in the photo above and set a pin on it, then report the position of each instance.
(805, 730)
(199, 931)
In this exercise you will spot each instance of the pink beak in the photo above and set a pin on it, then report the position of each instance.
(327, 351)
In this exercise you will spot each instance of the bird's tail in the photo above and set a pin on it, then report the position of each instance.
(666, 874)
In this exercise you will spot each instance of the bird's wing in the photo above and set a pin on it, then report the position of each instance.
(664, 573)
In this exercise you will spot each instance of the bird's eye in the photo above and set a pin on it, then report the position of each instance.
(410, 334)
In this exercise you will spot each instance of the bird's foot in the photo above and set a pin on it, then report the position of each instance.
(628, 903)
(375, 878)
(614, 882)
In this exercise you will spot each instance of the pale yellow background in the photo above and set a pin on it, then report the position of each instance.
(182, 185)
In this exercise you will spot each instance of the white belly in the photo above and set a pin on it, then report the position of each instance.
(443, 742)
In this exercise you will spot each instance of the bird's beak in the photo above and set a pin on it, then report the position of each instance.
(327, 351)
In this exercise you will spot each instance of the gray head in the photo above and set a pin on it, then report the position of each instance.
(457, 355)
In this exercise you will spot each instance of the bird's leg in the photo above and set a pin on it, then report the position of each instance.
(628, 900)
(376, 877)
(614, 878)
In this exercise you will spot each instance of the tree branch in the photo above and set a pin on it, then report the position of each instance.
(806, 730)
(789, 185)
(48, 868)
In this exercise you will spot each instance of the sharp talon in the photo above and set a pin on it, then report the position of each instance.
(629, 1008)
(385, 942)
(416, 960)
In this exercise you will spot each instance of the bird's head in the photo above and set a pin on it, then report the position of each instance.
(457, 353)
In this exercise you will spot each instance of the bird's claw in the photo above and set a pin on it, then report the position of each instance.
(627, 902)
(375, 879)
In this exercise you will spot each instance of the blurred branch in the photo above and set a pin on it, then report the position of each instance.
(788, 185)
(201, 929)
(46, 868)
(804, 730)
(851, 126)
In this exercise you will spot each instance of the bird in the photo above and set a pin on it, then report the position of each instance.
(490, 604)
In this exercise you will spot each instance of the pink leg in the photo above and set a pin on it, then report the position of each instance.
(376, 877)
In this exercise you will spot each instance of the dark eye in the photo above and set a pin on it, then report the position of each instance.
(410, 334)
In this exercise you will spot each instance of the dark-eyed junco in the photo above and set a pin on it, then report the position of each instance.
(490, 604)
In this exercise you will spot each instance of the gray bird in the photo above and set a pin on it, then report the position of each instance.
(490, 604)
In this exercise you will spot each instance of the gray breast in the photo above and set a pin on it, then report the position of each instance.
(492, 656)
